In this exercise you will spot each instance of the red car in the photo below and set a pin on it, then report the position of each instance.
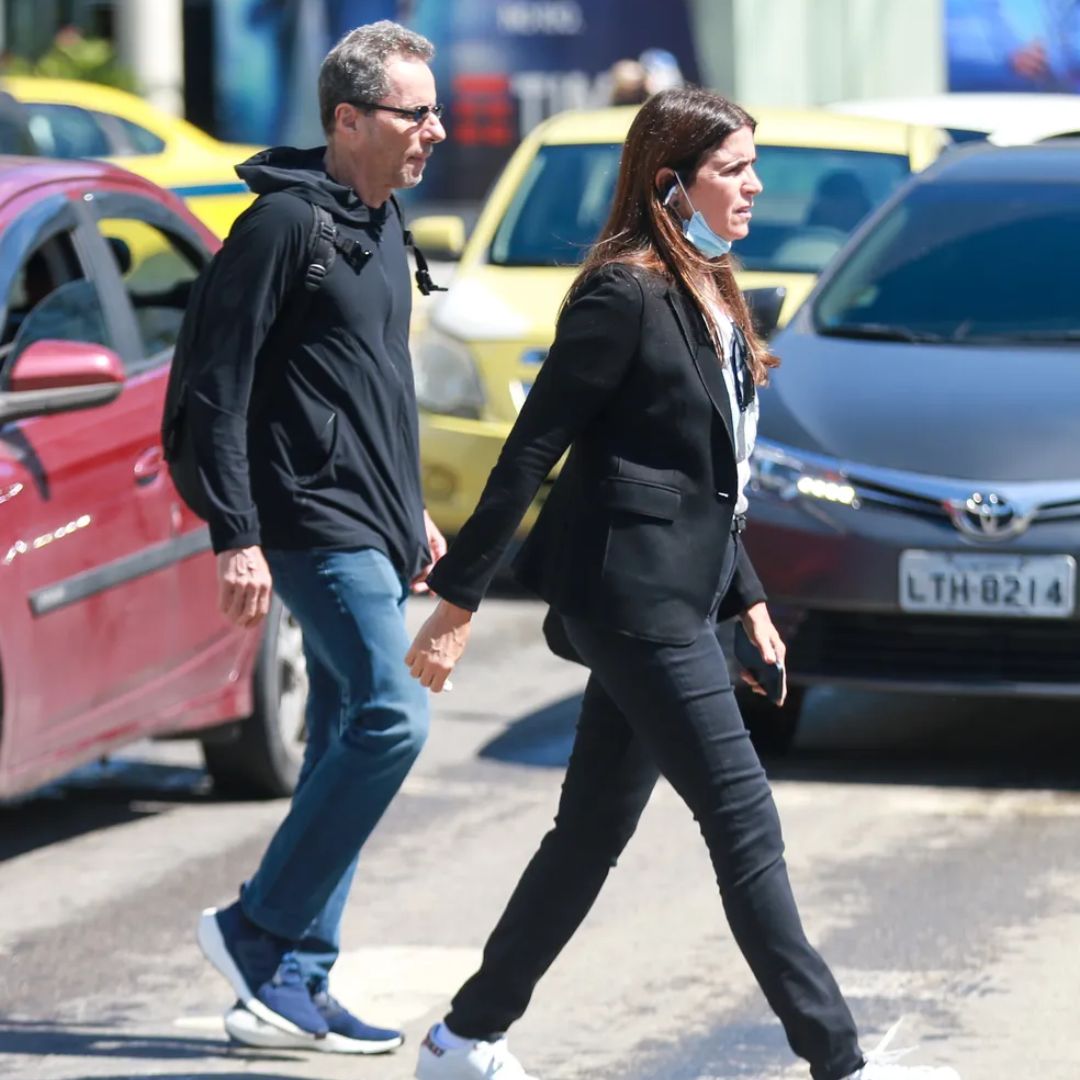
(109, 629)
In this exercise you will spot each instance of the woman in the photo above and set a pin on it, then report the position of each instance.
(651, 384)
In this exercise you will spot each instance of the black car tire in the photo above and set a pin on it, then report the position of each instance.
(772, 729)
(263, 759)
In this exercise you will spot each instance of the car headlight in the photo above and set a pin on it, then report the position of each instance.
(789, 474)
(447, 381)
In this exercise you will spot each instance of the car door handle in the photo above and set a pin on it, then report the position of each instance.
(148, 466)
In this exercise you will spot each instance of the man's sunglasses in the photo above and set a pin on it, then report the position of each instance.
(417, 114)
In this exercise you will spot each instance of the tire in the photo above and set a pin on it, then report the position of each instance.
(264, 759)
(772, 729)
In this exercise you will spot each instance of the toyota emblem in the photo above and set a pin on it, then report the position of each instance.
(986, 516)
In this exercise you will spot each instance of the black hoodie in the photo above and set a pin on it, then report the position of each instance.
(303, 406)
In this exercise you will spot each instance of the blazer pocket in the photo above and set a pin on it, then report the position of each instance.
(641, 497)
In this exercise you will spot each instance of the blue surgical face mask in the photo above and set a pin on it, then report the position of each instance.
(696, 228)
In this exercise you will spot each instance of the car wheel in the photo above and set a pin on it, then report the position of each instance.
(772, 729)
(264, 759)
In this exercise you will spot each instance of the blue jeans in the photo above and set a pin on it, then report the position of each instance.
(367, 720)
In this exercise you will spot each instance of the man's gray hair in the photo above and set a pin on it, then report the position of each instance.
(355, 68)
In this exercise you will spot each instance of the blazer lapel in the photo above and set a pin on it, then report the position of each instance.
(706, 362)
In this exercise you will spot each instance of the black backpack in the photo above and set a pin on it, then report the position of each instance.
(323, 246)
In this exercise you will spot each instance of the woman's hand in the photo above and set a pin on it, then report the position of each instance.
(438, 645)
(766, 639)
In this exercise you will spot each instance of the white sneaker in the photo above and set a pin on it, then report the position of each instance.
(476, 1061)
(881, 1064)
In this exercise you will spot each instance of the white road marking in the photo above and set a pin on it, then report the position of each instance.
(389, 984)
(394, 984)
(201, 1023)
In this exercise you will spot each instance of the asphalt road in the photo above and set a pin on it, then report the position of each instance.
(932, 844)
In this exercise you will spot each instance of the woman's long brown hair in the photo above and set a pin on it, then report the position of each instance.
(675, 129)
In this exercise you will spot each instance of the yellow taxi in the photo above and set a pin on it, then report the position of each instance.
(478, 347)
(72, 119)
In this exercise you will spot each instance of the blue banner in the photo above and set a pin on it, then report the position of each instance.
(1025, 45)
(501, 66)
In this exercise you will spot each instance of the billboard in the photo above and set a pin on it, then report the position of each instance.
(501, 66)
(1025, 45)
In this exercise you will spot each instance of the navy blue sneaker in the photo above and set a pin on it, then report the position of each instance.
(264, 975)
(348, 1034)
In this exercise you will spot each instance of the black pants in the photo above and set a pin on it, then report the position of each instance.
(652, 709)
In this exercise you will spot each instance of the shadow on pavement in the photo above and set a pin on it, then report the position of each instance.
(95, 797)
(864, 738)
(948, 741)
(542, 738)
(34, 1038)
(188, 1075)
(120, 789)
(737, 1049)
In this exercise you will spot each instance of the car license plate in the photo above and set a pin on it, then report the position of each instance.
(970, 583)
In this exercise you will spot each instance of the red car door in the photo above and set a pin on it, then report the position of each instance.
(82, 623)
(157, 255)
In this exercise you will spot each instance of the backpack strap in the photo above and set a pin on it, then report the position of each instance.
(324, 244)
(423, 275)
(321, 248)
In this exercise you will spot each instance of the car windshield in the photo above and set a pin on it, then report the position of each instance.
(963, 261)
(66, 131)
(812, 200)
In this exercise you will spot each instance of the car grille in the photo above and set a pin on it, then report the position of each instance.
(936, 649)
(940, 498)
(935, 508)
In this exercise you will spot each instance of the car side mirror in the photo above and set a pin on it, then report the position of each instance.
(60, 376)
(439, 236)
(765, 304)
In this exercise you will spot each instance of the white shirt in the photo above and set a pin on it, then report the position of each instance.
(743, 421)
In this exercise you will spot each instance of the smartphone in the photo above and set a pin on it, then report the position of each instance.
(771, 677)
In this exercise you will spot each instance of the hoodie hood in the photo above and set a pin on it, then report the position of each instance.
(303, 173)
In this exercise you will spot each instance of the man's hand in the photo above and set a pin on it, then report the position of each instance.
(438, 645)
(437, 544)
(244, 585)
(766, 639)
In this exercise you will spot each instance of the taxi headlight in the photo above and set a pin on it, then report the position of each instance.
(447, 381)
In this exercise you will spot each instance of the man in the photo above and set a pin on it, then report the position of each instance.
(304, 416)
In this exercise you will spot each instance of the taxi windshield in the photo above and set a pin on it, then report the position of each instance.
(813, 198)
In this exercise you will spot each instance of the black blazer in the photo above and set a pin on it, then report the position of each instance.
(633, 532)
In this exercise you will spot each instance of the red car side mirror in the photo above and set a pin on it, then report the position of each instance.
(56, 365)
(61, 376)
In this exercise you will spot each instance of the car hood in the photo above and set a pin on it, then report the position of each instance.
(499, 303)
(967, 411)
(503, 303)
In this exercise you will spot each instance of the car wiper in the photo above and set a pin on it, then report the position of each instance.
(1043, 337)
(877, 332)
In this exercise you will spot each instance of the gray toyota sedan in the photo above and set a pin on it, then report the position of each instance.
(915, 512)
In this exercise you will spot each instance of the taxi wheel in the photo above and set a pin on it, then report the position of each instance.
(772, 729)
(264, 759)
